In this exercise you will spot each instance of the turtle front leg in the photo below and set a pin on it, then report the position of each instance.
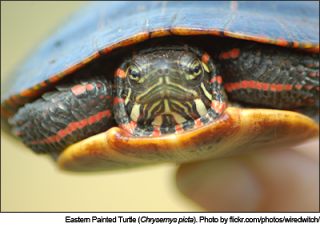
(66, 116)
(269, 76)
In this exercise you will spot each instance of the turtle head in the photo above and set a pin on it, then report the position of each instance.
(166, 88)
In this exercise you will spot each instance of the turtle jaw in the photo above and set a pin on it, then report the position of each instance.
(166, 90)
(168, 111)
(167, 104)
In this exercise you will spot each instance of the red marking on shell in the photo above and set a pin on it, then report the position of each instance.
(78, 89)
(34, 142)
(308, 87)
(312, 74)
(92, 101)
(234, 53)
(108, 96)
(43, 84)
(282, 42)
(205, 57)
(120, 73)
(160, 33)
(17, 100)
(54, 79)
(298, 86)
(101, 96)
(11, 104)
(29, 93)
(84, 104)
(118, 100)
(89, 87)
(317, 88)
(98, 85)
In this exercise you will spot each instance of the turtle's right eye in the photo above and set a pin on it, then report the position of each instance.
(134, 74)
(195, 70)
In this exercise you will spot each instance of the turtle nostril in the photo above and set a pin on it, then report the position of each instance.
(160, 70)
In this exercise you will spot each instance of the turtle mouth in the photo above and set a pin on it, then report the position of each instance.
(167, 105)
(168, 111)
(167, 91)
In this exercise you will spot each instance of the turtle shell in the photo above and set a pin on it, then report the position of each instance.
(87, 36)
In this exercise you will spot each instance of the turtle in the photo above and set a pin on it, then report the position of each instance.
(121, 85)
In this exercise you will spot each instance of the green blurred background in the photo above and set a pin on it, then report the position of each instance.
(33, 183)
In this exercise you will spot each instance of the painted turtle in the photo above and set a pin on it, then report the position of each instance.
(118, 63)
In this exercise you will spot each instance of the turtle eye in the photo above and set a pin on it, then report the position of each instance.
(195, 70)
(134, 74)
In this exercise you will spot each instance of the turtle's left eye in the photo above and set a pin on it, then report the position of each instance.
(134, 74)
(195, 70)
